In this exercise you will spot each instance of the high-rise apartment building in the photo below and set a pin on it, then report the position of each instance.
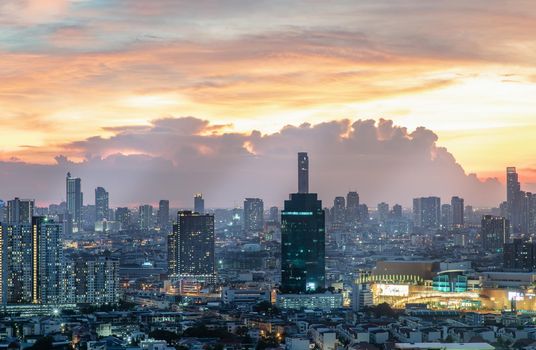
(123, 216)
(458, 215)
(92, 280)
(253, 215)
(19, 211)
(102, 204)
(352, 207)
(383, 212)
(446, 216)
(338, 212)
(74, 201)
(145, 217)
(495, 232)
(32, 262)
(519, 255)
(163, 214)
(427, 212)
(397, 211)
(191, 247)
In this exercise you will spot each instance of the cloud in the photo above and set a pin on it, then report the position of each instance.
(32, 11)
(173, 158)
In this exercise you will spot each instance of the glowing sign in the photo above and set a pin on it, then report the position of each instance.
(393, 290)
(517, 296)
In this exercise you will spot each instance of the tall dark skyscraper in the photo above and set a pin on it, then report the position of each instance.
(19, 211)
(199, 204)
(457, 206)
(427, 212)
(352, 207)
(253, 215)
(163, 214)
(495, 232)
(302, 244)
(74, 200)
(303, 172)
(191, 247)
(102, 204)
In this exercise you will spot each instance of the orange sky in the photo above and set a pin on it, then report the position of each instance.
(71, 70)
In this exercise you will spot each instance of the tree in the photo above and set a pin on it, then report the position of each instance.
(266, 307)
(44, 343)
(162, 334)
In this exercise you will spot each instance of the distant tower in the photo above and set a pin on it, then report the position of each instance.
(303, 172)
(102, 204)
(163, 214)
(20, 211)
(457, 205)
(302, 240)
(495, 233)
(199, 204)
(74, 200)
(191, 247)
(253, 215)
(145, 213)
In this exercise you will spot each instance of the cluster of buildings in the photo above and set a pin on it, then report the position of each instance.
(303, 275)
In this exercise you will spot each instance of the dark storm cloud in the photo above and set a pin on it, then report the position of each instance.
(176, 157)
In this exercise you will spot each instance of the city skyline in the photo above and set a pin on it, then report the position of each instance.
(283, 174)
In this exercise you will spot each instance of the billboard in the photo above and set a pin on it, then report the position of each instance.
(393, 290)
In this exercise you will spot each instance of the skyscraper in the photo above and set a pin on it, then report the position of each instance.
(101, 204)
(495, 232)
(446, 216)
(191, 247)
(303, 172)
(302, 243)
(383, 212)
(274, 214)
(32, 262)
(519, 255)
(145, 213)
(17, 263)
(48, 275)
(338, 212)
(122, 215)
(199, 204)
(19, 211)
(457, 205)
(253, 215)
(352, 207)
(397, 211)
(427, 212)
(74, 200)
(513, 200)
(163, 214)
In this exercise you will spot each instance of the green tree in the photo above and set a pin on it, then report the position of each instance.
(162, 334)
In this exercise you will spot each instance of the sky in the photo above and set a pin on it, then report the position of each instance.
(216, 96)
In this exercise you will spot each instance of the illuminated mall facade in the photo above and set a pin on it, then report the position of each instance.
(448, 286)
